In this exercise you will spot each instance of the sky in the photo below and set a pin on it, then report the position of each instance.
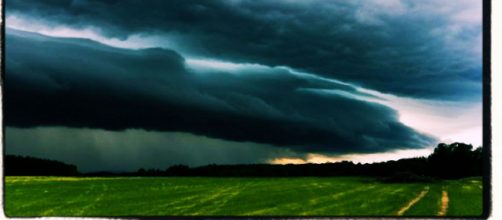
(119, 85)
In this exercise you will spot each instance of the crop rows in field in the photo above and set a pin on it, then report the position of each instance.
(337, 196)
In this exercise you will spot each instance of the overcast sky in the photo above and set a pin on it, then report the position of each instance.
(118, 85)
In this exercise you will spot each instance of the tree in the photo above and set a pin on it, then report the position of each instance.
(455, 160)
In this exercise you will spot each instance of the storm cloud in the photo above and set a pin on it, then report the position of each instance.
(83, 84)
(420, 49)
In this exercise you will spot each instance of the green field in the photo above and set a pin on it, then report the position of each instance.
(176, 196)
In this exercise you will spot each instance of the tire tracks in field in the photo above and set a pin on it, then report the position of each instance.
(331, 198)
(219, 199)
(444, 203)
(413, 201)
(185, 201)
(215, 200)
(68, 204)
(97, 198)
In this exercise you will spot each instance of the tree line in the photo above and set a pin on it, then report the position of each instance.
(31, 166)
(448, 161)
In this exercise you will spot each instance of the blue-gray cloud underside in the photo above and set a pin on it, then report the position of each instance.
(414, 54)
(80, 83)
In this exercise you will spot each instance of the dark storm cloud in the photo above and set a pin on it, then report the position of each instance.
(410, 48)
(80, 83)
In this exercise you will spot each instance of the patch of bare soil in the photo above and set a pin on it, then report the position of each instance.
(444, 204)
(413, 201)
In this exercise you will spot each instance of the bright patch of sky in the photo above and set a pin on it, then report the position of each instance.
(356, 158)
(134, 41)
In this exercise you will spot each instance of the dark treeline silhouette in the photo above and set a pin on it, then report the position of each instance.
(455, 161)
(452, 161)
(30, 166)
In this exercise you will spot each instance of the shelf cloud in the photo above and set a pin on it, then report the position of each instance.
(420, 49)
(81, 83)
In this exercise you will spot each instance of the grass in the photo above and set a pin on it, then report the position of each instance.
(464, 197)
(198, 196)
(430, 203)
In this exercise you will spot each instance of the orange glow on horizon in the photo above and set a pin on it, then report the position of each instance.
(356, 158)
